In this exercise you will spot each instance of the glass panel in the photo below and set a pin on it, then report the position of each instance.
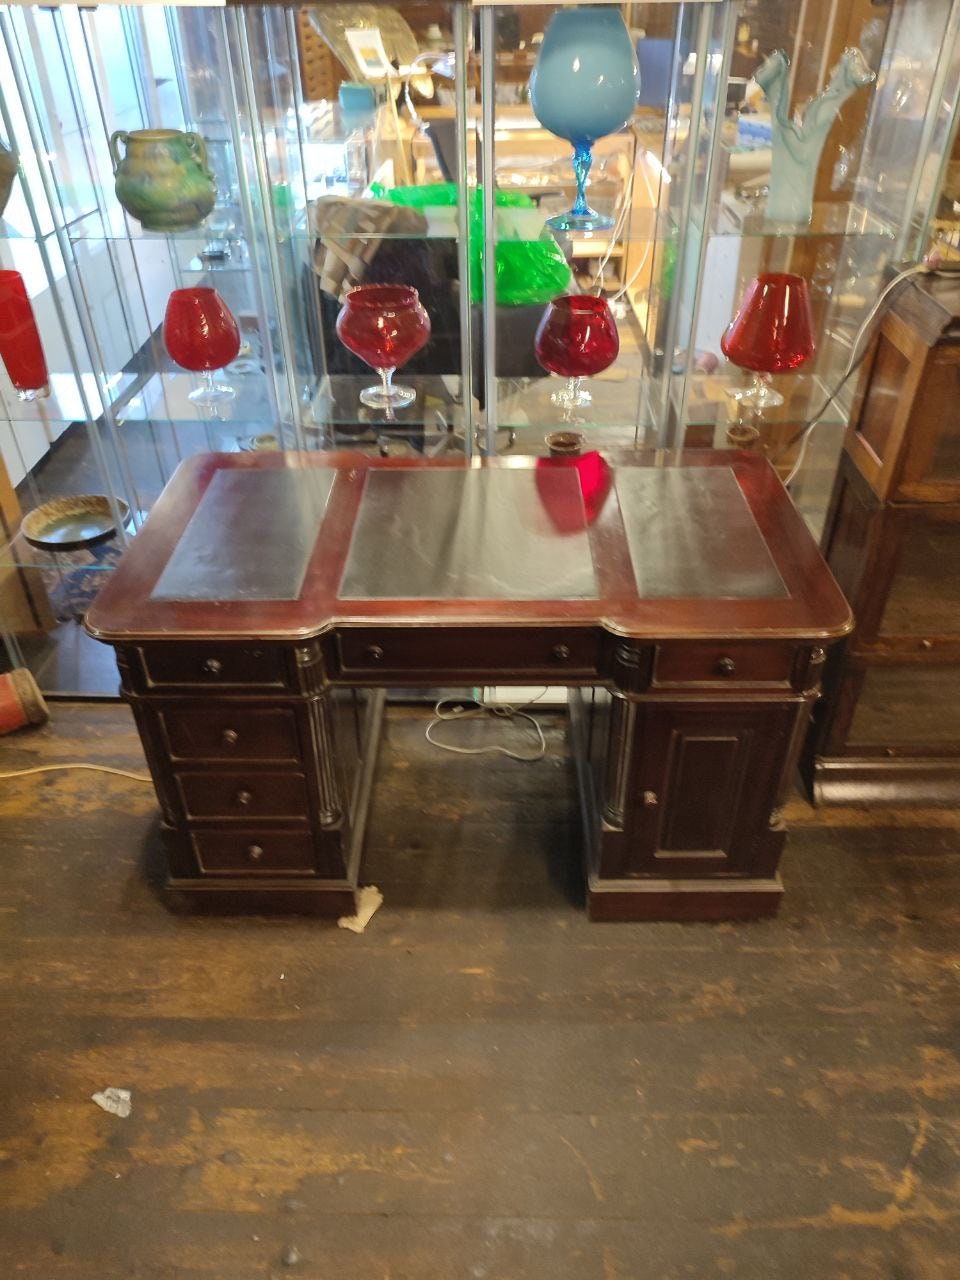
(914, 705)
(924, 597)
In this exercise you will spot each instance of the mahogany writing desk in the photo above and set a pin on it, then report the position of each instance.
(271, 598)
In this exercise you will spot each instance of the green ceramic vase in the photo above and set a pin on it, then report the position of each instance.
(162, 179)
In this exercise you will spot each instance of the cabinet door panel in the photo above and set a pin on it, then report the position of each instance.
(704, 785)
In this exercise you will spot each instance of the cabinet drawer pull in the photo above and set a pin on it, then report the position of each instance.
(213, 666)
(561, 652)
(243, 797)
(374, 652)
(254, 852)
(230, 737)
(726, 667)
(650, 799)
(926, 645)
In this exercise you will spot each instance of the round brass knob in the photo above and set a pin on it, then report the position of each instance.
(926, 644)
(254, 852)
(243, 797)
(561, 652)
(817, 656)
(213, 666)
(374, 653)
(230, 737)
(726, 667)
(650, 799)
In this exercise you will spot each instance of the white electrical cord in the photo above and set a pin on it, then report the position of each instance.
(97, 768)
(479, 710)
(930, 266)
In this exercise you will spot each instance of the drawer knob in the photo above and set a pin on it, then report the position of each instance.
(650, 799)
(230, 737)
(254, 852)
(726, 667)
(926, 645)
(243, 797)
(374, 653)
(561, 652)
(213, 666)
(818, 656)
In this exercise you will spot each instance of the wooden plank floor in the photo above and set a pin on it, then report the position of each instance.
(483, 1085)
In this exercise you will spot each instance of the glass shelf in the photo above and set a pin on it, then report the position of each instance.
(736, 216)
(709, 402)
(64, 404)
(618, 399)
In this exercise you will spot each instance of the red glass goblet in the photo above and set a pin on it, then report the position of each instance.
(576, 338)
(384, 324)
(771, 333)
(201, 334)
(20, 347)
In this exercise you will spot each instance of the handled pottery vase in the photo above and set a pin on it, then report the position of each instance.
(162, 179)
(8, 171)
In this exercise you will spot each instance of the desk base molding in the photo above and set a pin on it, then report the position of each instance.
(626, 900)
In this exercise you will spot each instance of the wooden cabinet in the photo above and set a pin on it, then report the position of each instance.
(888, 728)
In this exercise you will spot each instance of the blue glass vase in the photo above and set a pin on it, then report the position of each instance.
(584, 85)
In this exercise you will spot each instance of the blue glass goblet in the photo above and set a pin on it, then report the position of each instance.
(584, 85)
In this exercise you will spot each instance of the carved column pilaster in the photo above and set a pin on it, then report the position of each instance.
(623, 718)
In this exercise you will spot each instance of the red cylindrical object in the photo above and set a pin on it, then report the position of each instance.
(773, 329)
(21, 702)
(199, 330)
(20, 347)
(383, 324)
(577, 336)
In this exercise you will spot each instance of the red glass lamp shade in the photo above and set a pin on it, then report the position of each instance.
(199, 330)
(20, 347)
(773, 330)
(576, 338)
(385, 325)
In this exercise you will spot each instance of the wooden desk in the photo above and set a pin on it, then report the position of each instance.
(271, 598)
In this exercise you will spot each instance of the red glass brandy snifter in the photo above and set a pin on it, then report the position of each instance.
(576, 338)
(202, 335)
(772, 332)
(384, 324)
(20, 347)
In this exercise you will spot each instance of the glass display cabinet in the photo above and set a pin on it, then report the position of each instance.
(323, 148)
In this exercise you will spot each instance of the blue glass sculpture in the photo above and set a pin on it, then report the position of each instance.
(584, 85)
(798, 140)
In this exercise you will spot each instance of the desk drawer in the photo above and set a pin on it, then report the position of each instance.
(254, 852)
(436, 652)
(719, 662)
(256, 794)
(214, 665)
(231, 733)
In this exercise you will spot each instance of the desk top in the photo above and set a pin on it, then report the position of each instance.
(648, 545)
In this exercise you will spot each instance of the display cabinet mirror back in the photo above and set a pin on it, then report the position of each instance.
(577, 202)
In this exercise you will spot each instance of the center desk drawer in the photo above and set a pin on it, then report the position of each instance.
(719, 662)
(221, 732)
(434, 652)
(257, 794)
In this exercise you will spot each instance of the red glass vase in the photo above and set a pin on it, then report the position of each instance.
(201, 334)
(772, 332)
(576, 338)
(20, 347)
(385, 325)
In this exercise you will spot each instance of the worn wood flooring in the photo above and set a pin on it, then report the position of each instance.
(483, 1085)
